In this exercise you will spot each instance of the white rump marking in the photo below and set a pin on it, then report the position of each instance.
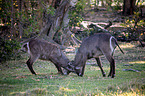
(111, 47)
(28, 48)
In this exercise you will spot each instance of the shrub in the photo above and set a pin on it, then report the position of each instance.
(8, 49)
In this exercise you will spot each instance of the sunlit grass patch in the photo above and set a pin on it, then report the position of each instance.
(66, 89)
(17, 93)
(137, 62)
(127, 45)
(132, 88)
(37, 91)
(32, 92)
(133, 93)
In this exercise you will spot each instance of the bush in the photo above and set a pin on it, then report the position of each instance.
(8, 49)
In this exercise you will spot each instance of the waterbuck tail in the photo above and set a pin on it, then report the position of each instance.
(115, 43)
(119, 46)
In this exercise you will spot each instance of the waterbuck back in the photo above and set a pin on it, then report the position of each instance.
(93, 47)
(41, 49)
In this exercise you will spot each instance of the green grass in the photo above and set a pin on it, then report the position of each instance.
(16, 79)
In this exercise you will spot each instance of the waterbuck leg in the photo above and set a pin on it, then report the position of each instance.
(54, 61)
(83, 64)
(100, 65)
(29, 64)
(110, 73)
(82, 71)
(112, 66)
(58, 68)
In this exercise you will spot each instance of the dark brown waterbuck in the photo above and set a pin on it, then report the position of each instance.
(93, 47)
(41, 49)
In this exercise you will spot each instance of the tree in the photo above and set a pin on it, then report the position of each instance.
(58, 22)
(128, 7)
(47, 19)
(26, 19)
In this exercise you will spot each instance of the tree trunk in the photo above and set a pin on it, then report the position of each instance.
(12, 21)
(129, 7)
(54, 23)
(20, 17)
(59, 21)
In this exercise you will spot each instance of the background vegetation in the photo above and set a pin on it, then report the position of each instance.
(58, 21)
(65, 24)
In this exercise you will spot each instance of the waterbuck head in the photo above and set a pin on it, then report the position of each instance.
(79, 62)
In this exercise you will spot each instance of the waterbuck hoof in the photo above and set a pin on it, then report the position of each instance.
(109, 75)
(81, 75)
(66, 73)
(113, 76)
(104, 75)
(33, 73)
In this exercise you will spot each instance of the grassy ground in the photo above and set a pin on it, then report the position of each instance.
(16, 79)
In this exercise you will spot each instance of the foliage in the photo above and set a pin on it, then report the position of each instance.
(8, 49)
(31, 19)
(117, 5)
(22, 15)
(16, 79)
(27, 17)
(134, 26)
(76, 14)
(19, 19)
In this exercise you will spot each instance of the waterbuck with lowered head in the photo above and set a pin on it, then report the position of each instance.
(93, 47)
(41, 49)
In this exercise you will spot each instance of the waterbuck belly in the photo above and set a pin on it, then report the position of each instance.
(97, 54)
(44, 57)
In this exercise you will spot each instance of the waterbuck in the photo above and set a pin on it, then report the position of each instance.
(41, 49)
(93, 47)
